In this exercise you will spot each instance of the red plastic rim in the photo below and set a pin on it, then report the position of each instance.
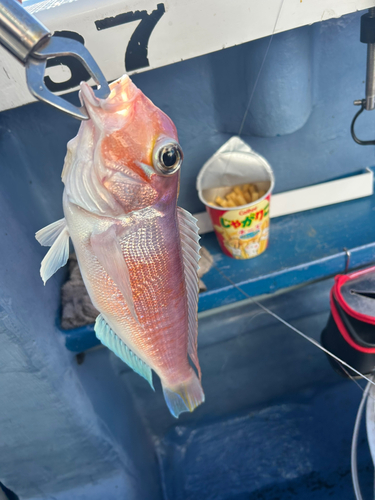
(339, 282)
(343, 331)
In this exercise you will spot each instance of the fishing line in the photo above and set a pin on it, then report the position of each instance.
(260, 70)
(261, 306)
(353, 379)
(291, 327)
(359, 385)
(257, 79)
(366, 391)
(354, 448)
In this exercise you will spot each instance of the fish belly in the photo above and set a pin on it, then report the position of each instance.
(152, 251)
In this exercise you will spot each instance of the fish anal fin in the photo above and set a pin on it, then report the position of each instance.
(185, 397)
(190, 252)
(109, 338)
(107, 249)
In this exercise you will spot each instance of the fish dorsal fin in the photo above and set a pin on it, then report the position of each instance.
(190, 252)
(55, 235)
(108, 337)
(107, 249)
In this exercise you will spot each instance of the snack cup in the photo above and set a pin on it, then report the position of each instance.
(242, 231)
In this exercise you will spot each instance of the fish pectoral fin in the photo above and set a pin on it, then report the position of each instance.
(57, 256)
(107, 249)
(49, 234)
(108, 337)
(190, 252)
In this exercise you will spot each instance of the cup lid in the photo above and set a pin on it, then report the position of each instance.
(234, 163)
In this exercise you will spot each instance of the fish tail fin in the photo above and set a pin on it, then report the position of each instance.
(184, 397)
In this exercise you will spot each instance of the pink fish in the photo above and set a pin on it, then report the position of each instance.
(138, 252)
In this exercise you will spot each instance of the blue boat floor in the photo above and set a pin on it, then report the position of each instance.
(277, 422)
(297, 448)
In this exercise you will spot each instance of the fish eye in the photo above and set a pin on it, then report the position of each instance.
(167, 156)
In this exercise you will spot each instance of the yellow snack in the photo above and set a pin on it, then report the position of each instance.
(247, 196)
(231, 196)
(220, 201)
(240, 195)
(240, 199)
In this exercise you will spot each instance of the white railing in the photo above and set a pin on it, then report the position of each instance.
(138, 35)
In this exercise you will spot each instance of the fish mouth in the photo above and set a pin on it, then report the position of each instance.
(88, 98)
(120, 100)
(110, 113)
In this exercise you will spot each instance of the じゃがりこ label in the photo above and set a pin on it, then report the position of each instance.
(243, 233)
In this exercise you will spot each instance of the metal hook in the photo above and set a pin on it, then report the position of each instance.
(362, 103)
